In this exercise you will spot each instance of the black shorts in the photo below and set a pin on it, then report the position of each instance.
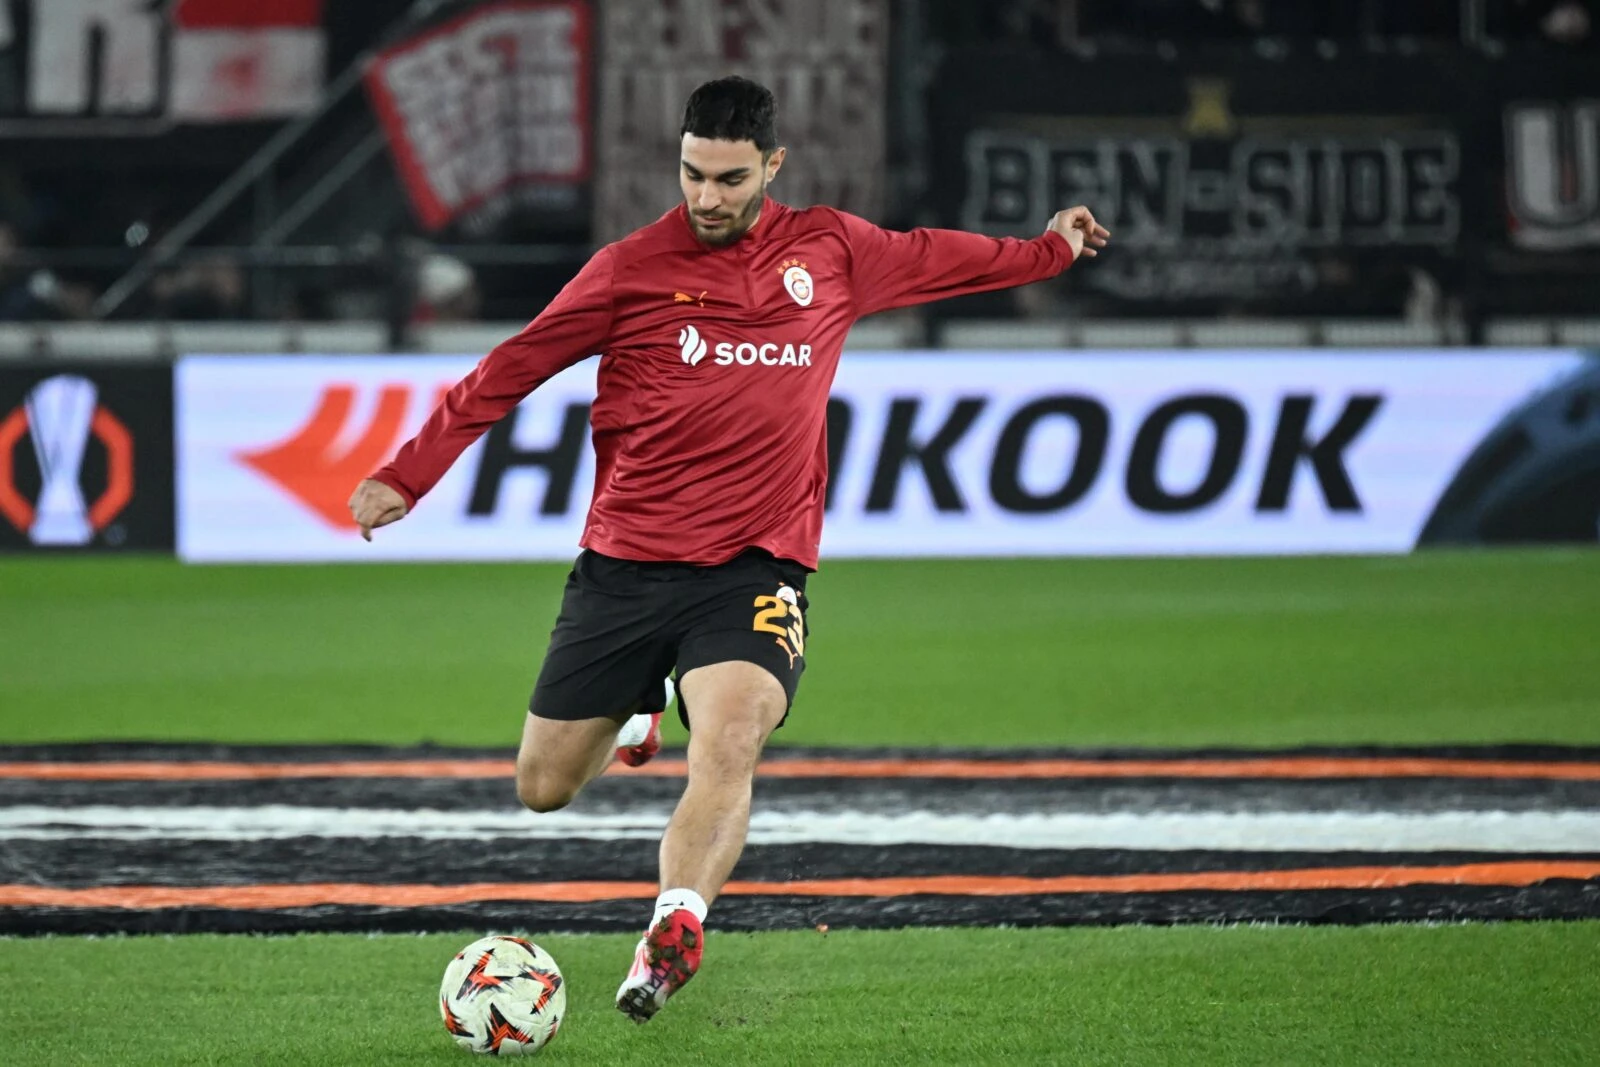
(625, 626)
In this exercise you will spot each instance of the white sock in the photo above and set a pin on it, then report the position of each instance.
(673, 899)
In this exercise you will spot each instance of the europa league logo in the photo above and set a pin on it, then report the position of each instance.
(59, 416)
(60, 411)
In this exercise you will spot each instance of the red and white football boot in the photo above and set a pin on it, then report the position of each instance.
(640, 737)
(667, 957)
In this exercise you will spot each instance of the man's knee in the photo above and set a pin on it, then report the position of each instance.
(733, 742)
(558, 756)
(541, 790)
(730, 724)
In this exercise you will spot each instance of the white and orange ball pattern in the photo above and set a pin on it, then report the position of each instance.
(502, 996)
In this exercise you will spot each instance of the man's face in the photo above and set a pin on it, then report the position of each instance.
(723, 183)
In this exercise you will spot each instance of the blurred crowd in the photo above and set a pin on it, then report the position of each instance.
(30, 293)
(1048, 23)
(52, 230)
(210, 286)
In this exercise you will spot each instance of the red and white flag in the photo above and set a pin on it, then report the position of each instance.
(494, 101)
(245, 59)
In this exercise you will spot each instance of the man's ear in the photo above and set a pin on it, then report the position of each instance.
(774, 161)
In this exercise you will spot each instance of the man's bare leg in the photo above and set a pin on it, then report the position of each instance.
(733, 707)
(558, 757)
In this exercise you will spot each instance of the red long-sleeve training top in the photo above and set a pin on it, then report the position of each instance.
(710, 424)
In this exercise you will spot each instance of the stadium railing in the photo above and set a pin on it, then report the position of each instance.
(157, 340)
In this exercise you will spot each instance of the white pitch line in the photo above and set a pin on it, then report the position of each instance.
(1542, 831)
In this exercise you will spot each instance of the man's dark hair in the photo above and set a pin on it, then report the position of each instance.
(732, 109)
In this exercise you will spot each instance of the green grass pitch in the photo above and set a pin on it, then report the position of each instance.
(1427, 649)
(1452, 995)
(1434, 648)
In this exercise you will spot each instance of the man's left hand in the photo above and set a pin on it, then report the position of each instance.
(1085, 235)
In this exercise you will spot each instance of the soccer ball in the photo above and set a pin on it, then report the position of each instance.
(502, 996)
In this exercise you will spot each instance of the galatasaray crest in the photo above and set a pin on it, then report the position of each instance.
(797, 281)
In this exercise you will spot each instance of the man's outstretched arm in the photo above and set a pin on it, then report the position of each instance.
(574, 325)
(891, 269)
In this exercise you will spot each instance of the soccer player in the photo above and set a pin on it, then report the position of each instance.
(720, 326)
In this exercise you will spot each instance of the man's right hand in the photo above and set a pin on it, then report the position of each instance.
(374, 504)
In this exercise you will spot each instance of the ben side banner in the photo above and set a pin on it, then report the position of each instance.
(1357, 184)
(85, 457)
(949, 454)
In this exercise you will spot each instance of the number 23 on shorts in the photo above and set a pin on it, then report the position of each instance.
(780, 615)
